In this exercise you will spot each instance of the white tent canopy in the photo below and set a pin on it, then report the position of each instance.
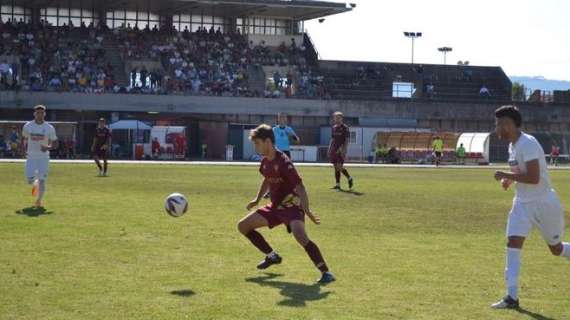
(129, 125)
(476, 143)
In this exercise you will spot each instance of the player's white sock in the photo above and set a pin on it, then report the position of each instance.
(272, 254)
(512, 271)
(566, 250)
(42, 190)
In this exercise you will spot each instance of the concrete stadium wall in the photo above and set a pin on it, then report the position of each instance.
(209, 118)
(436, 115)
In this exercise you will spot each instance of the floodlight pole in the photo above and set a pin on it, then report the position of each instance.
(413, 36)
(445, 50)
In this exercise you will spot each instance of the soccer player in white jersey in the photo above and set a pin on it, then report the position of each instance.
(535, 204)
(38, 137)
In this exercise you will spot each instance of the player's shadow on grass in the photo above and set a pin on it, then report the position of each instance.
(355, 193)
(532, 315)
(183, 293)
(296, 294)
(33, 212)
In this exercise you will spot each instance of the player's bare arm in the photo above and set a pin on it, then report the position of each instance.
(107, 143)
(532, 176)
(263, 189)
(344, 148)
(302, 193)
(93, 144)
(296, 139)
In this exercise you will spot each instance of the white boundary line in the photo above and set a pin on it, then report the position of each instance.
(298, 164)
(252, 163)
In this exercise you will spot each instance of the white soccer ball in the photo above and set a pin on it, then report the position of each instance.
(176, 205)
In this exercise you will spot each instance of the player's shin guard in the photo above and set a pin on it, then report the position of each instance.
(42, 190)
(566, 250)
(316, 256)
(337, 176)
(98, 165)
(345, 173)
(259, 242)
(512, 270)
(105, 166)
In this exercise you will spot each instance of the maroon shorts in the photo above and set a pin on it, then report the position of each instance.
(336, 158)
(100, 153)
(276, 217)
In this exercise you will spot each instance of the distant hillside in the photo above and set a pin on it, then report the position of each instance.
(540, 83)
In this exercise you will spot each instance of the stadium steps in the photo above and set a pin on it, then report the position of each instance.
(113, 57)
(343, 84)
(256, 78)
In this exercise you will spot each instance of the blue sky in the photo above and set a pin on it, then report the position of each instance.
(525, 37)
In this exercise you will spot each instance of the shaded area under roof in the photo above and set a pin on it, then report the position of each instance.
(296, 10)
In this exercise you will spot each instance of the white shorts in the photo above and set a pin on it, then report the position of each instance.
(546, 214)
(37, 168)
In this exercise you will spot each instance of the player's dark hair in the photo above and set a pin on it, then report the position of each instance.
(262, 132)
(511, 112)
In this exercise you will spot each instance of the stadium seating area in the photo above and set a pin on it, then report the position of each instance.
(209, 62)
(54, 59)
(365, 80)
(206, 62)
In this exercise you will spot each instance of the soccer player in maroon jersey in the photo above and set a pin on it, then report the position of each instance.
(100, 146)
(289, 204)
(337, 149)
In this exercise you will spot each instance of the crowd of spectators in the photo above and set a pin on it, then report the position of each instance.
(53, 59)
(40, 57)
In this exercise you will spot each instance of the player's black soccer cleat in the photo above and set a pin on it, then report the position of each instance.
(506, 303)
(326, 278)
(269, 261)
(350, 183)
(337, 187)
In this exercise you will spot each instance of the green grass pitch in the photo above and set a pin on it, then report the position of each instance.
(415, 244)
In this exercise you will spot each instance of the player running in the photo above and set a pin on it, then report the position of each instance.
(100, 146)
(554, 154)
(283, 134)
(38, 138)
(289, 204)
(535, 204)
(337, 149)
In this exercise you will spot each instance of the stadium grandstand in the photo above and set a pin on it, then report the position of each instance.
(219, 67)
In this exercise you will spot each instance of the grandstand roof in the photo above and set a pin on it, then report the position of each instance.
(289, 9)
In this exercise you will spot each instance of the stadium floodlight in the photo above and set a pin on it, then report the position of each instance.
(445, 50)
(413, 36)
